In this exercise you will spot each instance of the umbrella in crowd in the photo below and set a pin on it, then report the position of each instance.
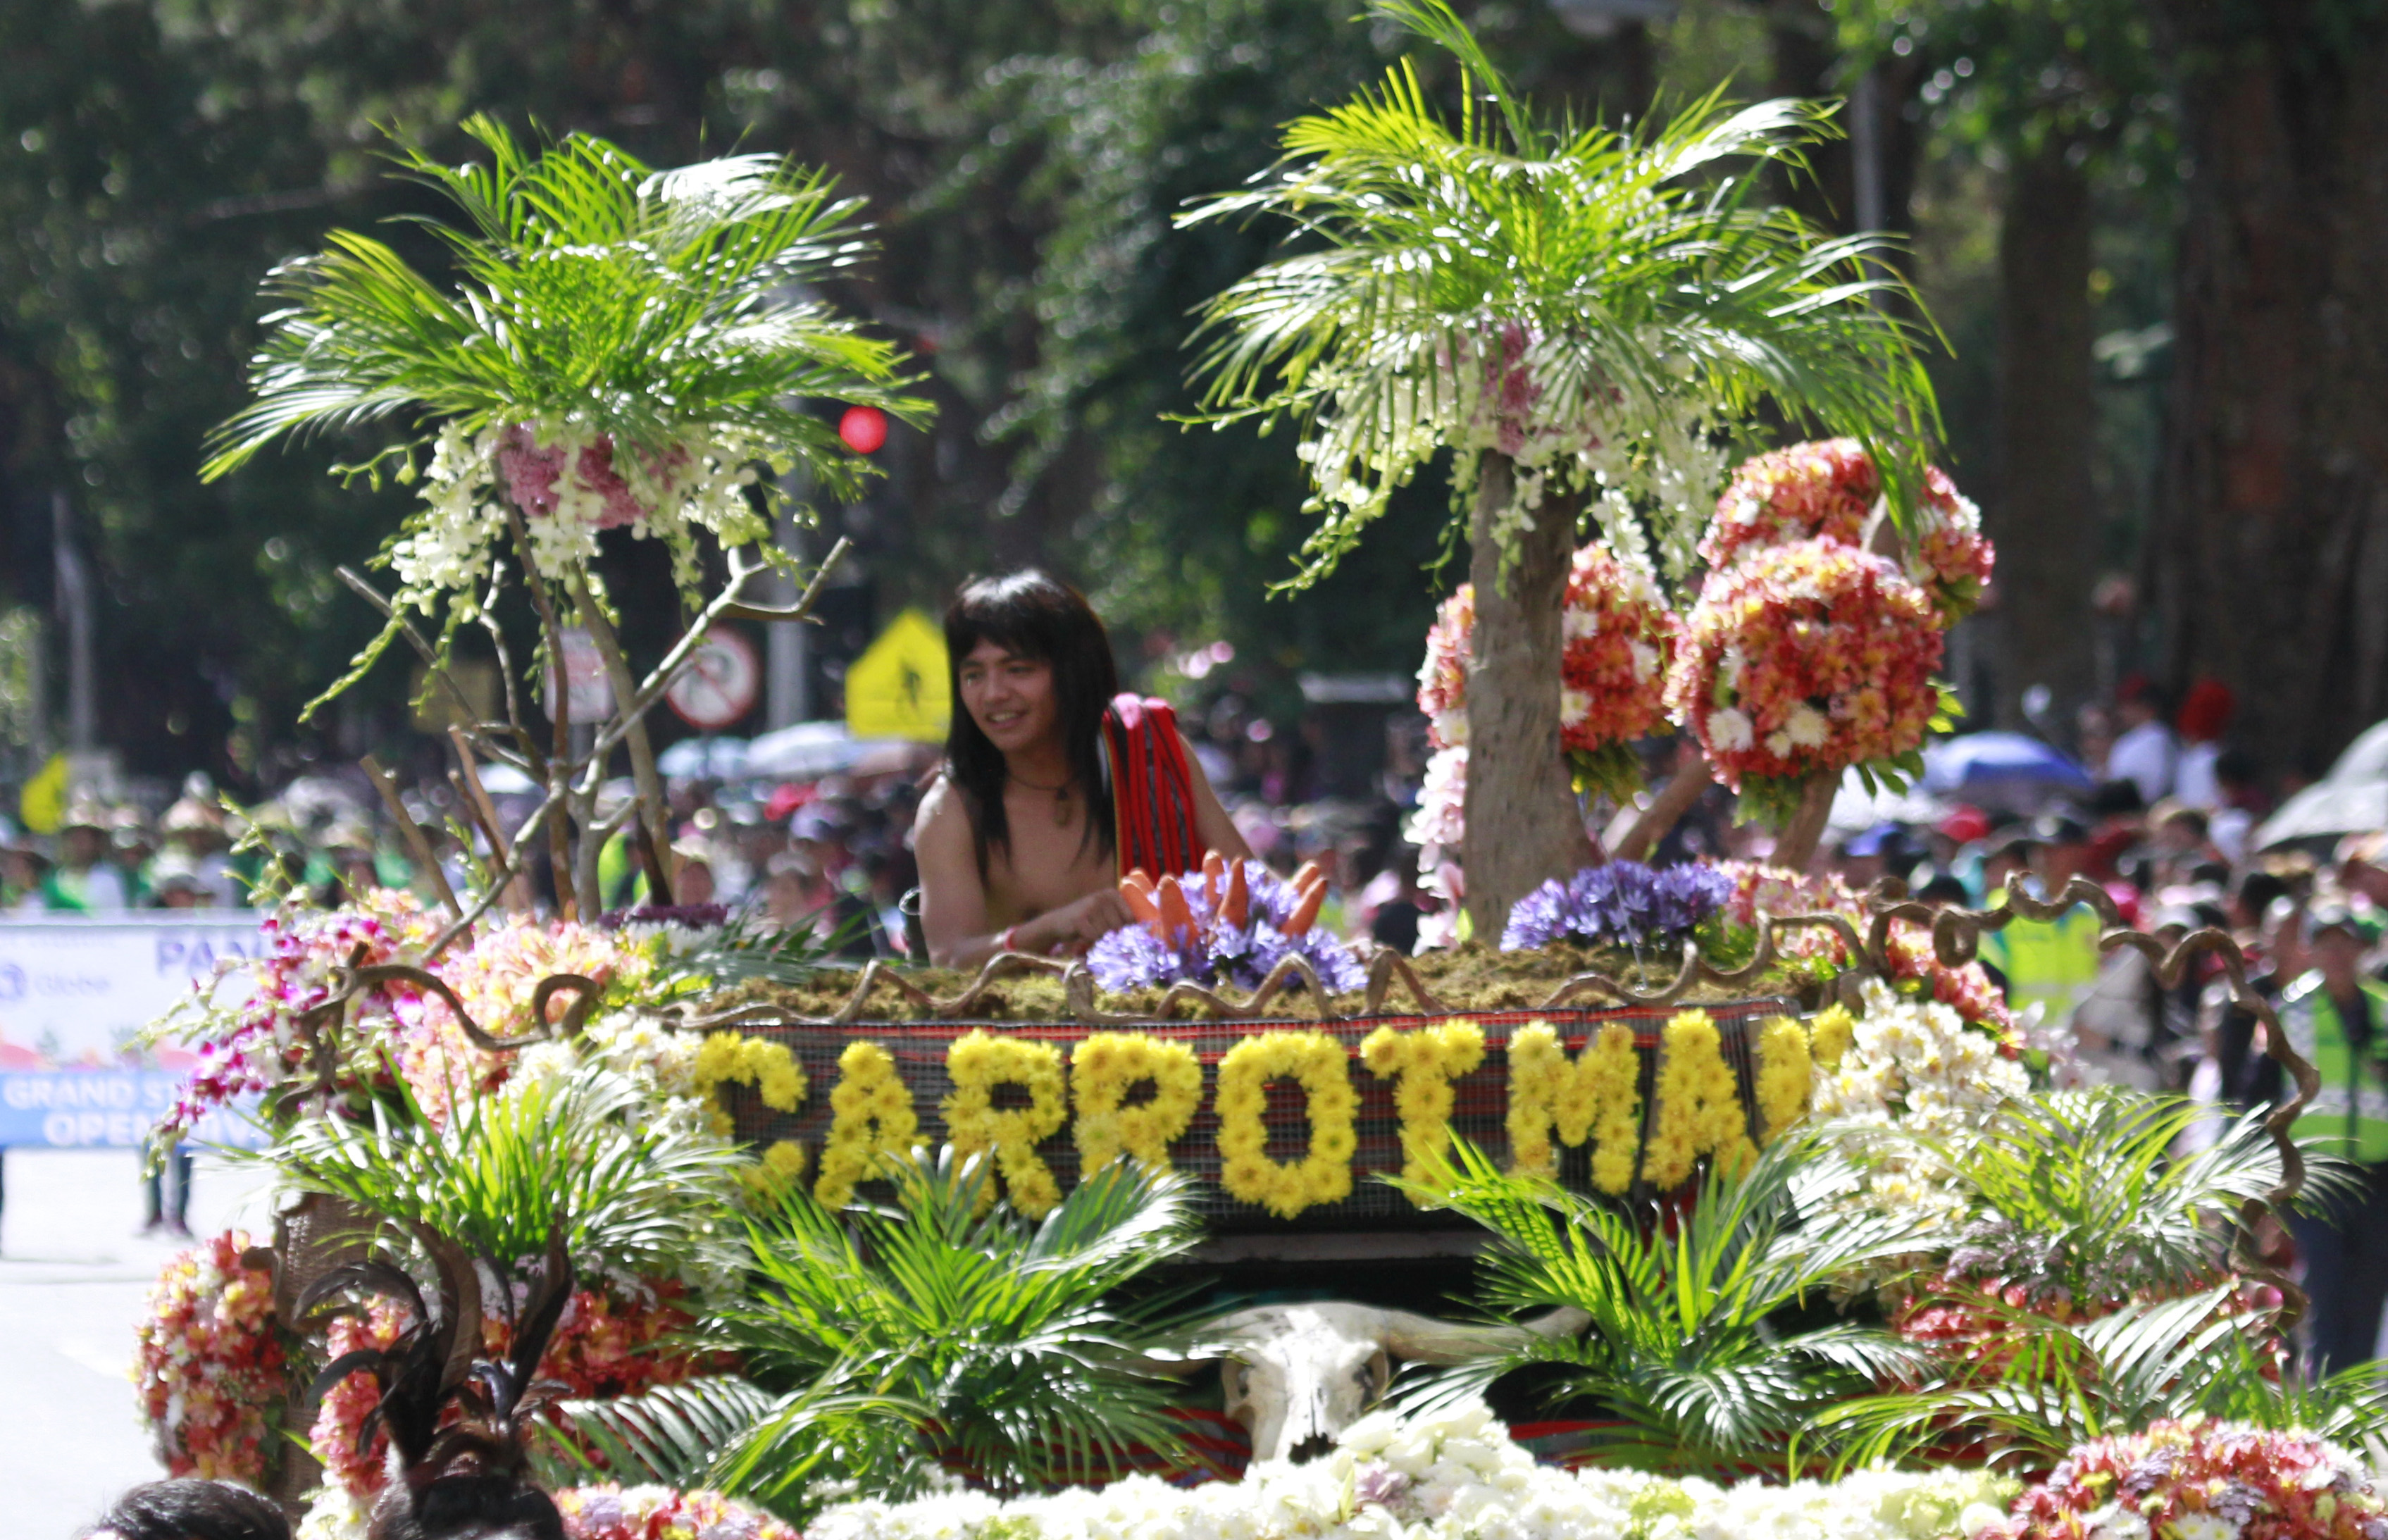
(2351, 799)
(705, 758)
(2011, 770)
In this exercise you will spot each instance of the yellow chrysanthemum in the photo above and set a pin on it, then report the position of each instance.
(1598, 1096)
(1324, 1174)
(1422, 1065)
(978, 1062)
(1103, 1068)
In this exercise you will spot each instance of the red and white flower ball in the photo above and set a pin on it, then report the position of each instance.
(1827, 491)
(209, 1363)
(1806, 657)
(1618, 638)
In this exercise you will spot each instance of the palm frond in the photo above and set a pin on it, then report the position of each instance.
(1641, 267)
(589, 288)
(1004, 1341)
(502, 1171)
(1685, 1348)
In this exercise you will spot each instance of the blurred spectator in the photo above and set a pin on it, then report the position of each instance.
(2050, 964)
(85, 881)
(194, 832)
(2144, 753)
(23, 868)
(2205, 714)
(2335, 1016)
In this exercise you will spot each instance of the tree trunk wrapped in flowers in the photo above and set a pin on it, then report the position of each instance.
(1618, 640)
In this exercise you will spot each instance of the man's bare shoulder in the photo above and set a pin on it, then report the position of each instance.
(944, 812)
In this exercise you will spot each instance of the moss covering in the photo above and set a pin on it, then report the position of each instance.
(1471, 977)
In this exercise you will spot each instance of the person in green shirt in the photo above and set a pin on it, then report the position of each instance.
(2050, 963)
(2337, 1016)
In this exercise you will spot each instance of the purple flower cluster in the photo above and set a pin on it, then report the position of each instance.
(1214, 951)
(1624, 903)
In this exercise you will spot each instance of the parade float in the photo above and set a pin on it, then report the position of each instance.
(1778, 1222)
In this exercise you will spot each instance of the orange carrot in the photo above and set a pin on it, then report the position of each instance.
(1305, 914)
(1239, 900)
(1176, 917)
(1215, 868)
(1139, 897)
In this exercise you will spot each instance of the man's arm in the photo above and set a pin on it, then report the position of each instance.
(953, 900)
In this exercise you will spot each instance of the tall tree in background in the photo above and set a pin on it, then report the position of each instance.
(2273, 546)
(2055, 90)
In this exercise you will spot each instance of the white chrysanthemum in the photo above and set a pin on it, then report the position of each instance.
(1807, 726)
(1730, 728)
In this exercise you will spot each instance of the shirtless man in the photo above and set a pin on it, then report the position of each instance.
(1015, 840)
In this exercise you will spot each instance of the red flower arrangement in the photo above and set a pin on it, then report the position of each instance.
(210, 1366)
(1760, 889)
(1807, 659)
(1619, 638)
(602, 1347)
(1827, 491)
(2200, 1480)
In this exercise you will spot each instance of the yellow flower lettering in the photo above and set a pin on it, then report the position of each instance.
(979, 1061)
(1598, 1096)
(1422, 1065)
(1103, 1068)
(1324, 1174)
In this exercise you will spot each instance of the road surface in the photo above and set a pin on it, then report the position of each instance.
(73, 1276)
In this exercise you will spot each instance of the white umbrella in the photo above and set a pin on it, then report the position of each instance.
(706, 759)
(805, 752)
(2351, 799)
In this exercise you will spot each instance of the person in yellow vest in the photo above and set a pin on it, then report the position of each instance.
(2050, 963)
(2337, 1016)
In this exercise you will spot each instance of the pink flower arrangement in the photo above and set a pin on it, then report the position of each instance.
(2201, 1481)
(262, 1047)
(209, 1363)
(531, 472)
(495, 978)
(1827, 491)
(1807, 658)
(1443, 679)
(603, 1347)
(1618, 638)
(609, 1512)
(1820, 490)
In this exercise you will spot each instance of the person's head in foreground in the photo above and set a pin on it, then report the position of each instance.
(190, 1510)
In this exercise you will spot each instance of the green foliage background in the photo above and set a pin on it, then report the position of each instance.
(1021, 159)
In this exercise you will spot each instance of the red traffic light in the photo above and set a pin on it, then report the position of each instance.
(864, 428)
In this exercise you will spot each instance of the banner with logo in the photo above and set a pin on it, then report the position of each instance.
(74, 993)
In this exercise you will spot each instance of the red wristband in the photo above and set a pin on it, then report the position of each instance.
(1007, 941)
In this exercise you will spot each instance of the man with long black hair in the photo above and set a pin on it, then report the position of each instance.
(1055, 785)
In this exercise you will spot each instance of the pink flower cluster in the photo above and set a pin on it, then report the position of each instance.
(609, 1512)
(602, 1346)
(1443, 679)
(1806, 657)
(2201, 1481)
(209, 1364)
(263, 1046)
(495, 978)
(1827, 491)
(1760, 889)
(532, 470)
(1618, 639)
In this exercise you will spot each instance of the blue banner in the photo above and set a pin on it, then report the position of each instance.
(104, 1109)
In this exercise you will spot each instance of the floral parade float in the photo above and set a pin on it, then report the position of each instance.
(896, 1252)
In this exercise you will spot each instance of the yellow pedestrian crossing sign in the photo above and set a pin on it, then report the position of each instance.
(898, 687)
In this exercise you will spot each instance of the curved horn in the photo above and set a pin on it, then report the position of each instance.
(1422, 1339)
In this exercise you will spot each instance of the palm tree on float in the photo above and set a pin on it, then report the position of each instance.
(1584, 316)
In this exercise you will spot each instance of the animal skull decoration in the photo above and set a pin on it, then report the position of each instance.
(1297, 1375)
